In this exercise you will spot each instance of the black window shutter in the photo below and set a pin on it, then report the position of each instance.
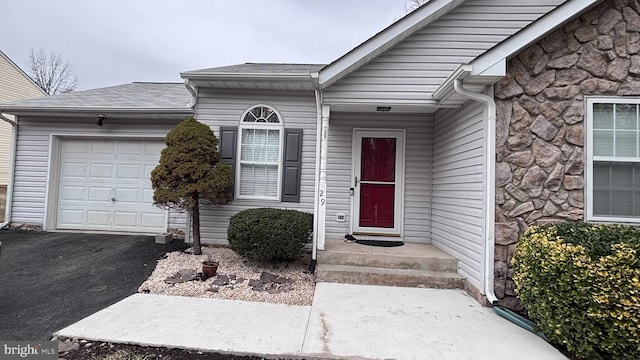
(227, 148)
(291, 165)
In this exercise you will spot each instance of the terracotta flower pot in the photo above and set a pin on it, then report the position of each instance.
(209, 268)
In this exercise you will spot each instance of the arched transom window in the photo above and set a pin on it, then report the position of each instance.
(260, 144)
(261, 114)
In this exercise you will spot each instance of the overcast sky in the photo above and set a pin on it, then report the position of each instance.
(111, 42)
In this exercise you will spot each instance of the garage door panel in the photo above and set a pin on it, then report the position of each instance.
(130, 148)
(129, 171)
(129, 195)
(105, 147)
(147, 197)
(153, 148)
(101, 171)
(99, 218)
(71, 146)
(95, 170)
(126, 219)
(71, 218)
(148, 168)
(100, 194)
(73, 193)
(73, 170)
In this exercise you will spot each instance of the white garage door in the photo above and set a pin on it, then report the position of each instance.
(104, 185)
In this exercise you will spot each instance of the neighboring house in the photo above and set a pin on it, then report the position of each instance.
(460, 125)
(15, 84)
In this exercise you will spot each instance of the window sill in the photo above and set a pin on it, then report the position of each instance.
(261, 198)
(608, 220)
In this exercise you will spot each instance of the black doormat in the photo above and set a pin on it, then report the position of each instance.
(382, 243)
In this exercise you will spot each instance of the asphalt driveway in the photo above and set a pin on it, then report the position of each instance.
(51, 280)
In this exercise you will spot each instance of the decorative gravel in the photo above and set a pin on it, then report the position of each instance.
(299, 290)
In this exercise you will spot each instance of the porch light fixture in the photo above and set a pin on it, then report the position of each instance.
(383, 108)
(100, 119)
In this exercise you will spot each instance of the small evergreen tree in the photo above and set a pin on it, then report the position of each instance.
(191, 169)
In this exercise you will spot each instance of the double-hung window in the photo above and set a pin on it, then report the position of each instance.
(613, 159)
(260, 153)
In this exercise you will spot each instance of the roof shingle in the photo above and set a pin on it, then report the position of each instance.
(259, 68)
(137, 95)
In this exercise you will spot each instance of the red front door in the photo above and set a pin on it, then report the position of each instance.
(377, 182)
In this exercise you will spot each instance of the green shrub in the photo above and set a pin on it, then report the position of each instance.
(581, 284)
(266, 234)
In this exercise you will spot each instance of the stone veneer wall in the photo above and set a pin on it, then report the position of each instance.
(540, 128)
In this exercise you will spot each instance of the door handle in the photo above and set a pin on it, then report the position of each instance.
(113, 199)
(356, 181)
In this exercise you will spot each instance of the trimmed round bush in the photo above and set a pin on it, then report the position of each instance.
(580, 284)
(267, 234)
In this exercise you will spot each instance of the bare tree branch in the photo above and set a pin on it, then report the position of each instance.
(411, 5)
(51, 73)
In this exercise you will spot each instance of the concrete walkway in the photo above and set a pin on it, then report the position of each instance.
(345, 321)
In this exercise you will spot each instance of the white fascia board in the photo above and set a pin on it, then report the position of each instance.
(248, 76)
(529, 34)
(443, 91)
(499, 69)
(385, 39)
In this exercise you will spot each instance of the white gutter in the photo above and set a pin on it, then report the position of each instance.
(222, 76)
(314, 250)
(489, 209)
(89, 109)
(12, 162)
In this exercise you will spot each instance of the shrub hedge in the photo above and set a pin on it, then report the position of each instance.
(267, 234)
(581, 284)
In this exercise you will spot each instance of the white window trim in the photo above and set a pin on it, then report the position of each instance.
(259, 125)
(589, 145)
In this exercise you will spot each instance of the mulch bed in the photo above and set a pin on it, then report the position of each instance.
(103, 350)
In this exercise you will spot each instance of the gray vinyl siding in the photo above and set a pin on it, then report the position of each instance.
(298, 110)
(413, 69)
(417, 169)
(457, 221)
(32, 156)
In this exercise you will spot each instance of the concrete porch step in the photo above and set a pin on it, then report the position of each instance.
(391, 277)
(410, 265)
(410, 256)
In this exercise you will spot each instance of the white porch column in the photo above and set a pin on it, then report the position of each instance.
(322, 189)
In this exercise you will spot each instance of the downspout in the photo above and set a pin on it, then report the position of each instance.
(314, 249)
(194, 94)
(490, 136)
(192, 104)
(12, 163)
